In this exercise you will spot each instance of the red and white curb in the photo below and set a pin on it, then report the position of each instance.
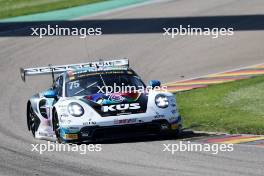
(218, 78)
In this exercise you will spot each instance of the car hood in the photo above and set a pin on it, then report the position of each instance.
(117, 103)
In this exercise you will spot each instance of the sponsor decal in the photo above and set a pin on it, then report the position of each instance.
(116, 98)
(89, 123)
(120, 107)
(64, 115)
(70, 136)
(113, 98)
(125, 121)
(111, 105)
(159, 116)
(93, 71)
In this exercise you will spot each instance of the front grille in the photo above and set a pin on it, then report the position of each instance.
(122, 130)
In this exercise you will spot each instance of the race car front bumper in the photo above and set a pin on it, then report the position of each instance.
(91, 133)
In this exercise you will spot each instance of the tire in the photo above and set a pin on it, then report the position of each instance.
(56, 126)
(31, 120)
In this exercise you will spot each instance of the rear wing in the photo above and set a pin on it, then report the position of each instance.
(99, 65)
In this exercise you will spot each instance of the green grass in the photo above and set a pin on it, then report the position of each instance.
(236, 107)
(12, 8)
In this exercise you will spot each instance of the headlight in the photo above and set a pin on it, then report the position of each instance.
(161, 101)
(75, 109)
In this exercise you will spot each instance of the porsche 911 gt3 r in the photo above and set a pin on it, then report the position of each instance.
(79, 107)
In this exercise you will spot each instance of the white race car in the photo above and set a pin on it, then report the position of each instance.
(79, 106)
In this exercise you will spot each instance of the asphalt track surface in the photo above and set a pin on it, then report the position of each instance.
(153, 56)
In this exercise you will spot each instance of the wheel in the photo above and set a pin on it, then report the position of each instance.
(56, 126)
(31, 120)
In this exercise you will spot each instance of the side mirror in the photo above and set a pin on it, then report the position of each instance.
(154, 83)
(50, 94)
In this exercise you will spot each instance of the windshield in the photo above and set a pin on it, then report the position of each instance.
(103, 83)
